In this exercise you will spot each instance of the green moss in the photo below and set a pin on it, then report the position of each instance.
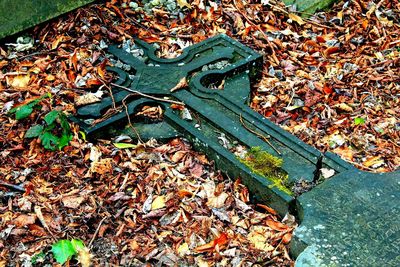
(268, 166)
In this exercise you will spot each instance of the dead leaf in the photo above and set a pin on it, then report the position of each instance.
(24, 220)
(278, 226)
(88, 98)
(181, 84)
(221, 241)
(158, 203)
(344, 107)
(296, 18)
(72, 202)
(259, 236)
(183, 3)
(20, 81)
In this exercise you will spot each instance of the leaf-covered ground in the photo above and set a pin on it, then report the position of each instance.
(332, 80)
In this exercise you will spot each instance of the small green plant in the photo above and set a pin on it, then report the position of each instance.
(65, 249)
(24, 111)
(55, 133)
(55, 122)
(359, 121)
(267, 165)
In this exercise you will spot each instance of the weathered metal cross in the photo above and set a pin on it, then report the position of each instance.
(330, 213)
(217, 111)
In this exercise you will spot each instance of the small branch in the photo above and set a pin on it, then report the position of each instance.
(259, 135)
(96, 232)
(129, 118)
(148, 96)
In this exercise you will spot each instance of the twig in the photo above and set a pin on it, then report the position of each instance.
(259, 135)
(129, 118)
(13, 187)
(111, 93)
(96, 232)
(148, 96)
(360, 165)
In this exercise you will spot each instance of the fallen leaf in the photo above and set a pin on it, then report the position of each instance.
(217, 201)
(158, 203)
(85, 99)
(278, 226)
(183, 3)
(181, 84)
(259, 236)
(344, 107)
(221, 241)
(20, 81)
(72, 202)
(296, 18)
(24, 220)
(183, 249)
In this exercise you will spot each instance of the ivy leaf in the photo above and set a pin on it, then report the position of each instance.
(64, 123)
(23, 111)
(64, 140)
(49, 140)
(34, 131)
(51, 116)
(63, 250)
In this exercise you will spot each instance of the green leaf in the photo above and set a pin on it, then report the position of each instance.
(63, 250)
(49, 141)
(77, 244)
(34, 131)
(22, 112)
(64, 123)
(359, 121)
(64, 140)
(51, 116)
(124, 145)
(83, 135)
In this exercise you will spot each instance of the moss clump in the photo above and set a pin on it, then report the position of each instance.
(267, 165)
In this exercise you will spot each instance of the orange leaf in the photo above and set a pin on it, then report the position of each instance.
(270, 210)
(327, 89)
(278, 226)
(365, 24)
(331, 50)
(184, 193)
(93, 82)
(221, 241)
(101, 69)
(286, 238)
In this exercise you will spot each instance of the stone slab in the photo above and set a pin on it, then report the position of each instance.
(308, 7)
(351, 220)
(18, 15)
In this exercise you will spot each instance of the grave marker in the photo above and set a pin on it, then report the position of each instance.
(223, 114)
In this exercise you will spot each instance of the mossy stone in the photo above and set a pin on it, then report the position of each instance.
(18, 15)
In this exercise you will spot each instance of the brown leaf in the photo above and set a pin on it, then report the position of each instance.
(278, 226)
(181, 84)
(24, 220)
(72, 202)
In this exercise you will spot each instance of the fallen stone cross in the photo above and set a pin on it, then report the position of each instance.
(349, 219)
